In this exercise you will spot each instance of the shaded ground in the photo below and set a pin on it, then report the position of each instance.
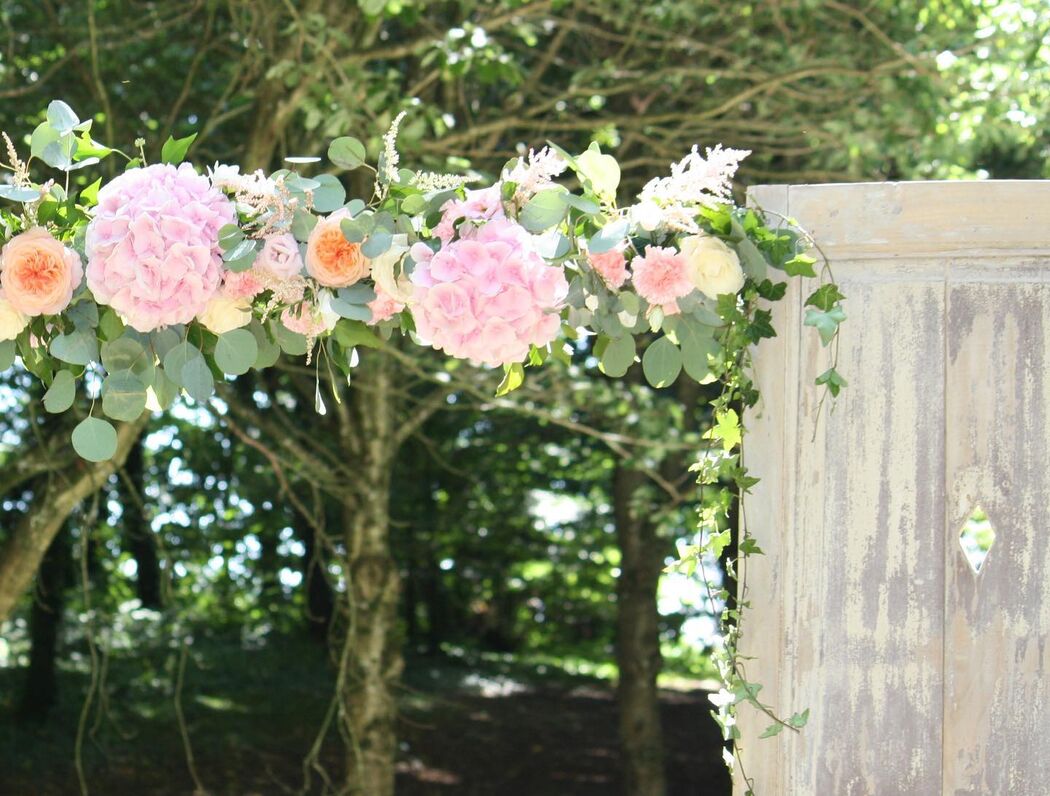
(491, 728)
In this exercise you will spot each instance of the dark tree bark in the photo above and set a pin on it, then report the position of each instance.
(138, 532)
(45, 621)
(320, 603)
(638, 638)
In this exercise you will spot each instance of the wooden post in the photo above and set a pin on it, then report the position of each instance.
(921, 675)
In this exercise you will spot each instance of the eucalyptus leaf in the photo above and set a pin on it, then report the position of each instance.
(123, 396)
(292, 343)
(377, 243)
(618, 356)
(346, 152)
(59, 396)
(95, 440)
(8, 349)
(236, 351)
(19, 194)
(608, 237)
(329, 195)
(177, 358)
(544, 210)
(197, 380)
(76, 348)
(661, 362)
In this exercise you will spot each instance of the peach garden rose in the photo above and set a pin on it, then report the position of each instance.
(38, 273)
(330, 258)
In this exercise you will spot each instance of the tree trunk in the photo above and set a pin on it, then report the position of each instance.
(141, 542)
(45, 620)
(638, 639)
(25, 546)
(374, 662)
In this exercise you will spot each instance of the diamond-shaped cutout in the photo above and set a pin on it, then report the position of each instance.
(976, 538)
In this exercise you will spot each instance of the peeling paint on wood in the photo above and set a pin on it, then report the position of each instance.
(921, 676)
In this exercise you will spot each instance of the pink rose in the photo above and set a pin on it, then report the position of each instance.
(38, 273)
(280, 256)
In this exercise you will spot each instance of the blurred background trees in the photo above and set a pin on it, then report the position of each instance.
(259, 591)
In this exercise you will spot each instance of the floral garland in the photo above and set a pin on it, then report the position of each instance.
(163, 280)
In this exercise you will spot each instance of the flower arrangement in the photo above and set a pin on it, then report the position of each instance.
(194, 277)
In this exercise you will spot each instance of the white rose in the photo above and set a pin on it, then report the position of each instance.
(12, 322)
(602, 170)
(713, 267)
(329, 317)
(224, 314)
(398, 288)
(647, 215)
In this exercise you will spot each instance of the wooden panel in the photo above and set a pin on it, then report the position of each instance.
(867, 616)
(998, 437)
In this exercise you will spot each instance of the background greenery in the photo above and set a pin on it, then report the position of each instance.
(195, 601)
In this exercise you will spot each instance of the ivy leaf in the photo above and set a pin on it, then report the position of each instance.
(772, 730)
(350, 334)
(826, 323)
(662, 362)
(175, 149)
(800, 265)
(513, 377)
(825, 297)
(799, 720)
(347, 152)
(95, 440)
(59, 396)
(726, 429)
(833, 379)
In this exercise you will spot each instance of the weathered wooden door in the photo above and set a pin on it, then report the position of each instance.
(922, 675)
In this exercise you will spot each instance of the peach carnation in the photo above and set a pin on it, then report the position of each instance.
(661, 276)
(611, 266)
(330, 258)
(38, 273)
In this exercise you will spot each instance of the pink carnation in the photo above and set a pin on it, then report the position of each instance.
(611, 265)
(661, 276)
(242, 285)
(489, 297)
(480, 205)
(384, 306)
(280, 256)
(153, 245)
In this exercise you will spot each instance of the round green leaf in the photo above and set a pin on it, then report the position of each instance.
(175, 360)
(7, 354)
(618, 356)
(125, 353)
(292, 343)
(164, 389)
(269, 351)
(698, 342)
(78, 348)
(95, 440)
(123, 396)
(197, 380)
(329, 195)
(235, 351)
(59, 396)
(544, 210)
(346, 152)
(661, 362)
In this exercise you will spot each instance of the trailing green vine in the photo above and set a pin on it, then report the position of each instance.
(723, 476)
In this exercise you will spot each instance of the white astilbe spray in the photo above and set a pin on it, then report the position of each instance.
(695, 180)
(533, 173)
(389, 160)
(269, 205)
(432, 182)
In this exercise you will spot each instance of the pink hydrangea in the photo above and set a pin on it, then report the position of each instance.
(661, 276)
(153, 245)
(480, 205)
(488, 297)
(611, 266)
(280, 256)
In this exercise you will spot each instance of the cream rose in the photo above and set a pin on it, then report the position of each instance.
(224, 314)
(12, 322)
(712, 266)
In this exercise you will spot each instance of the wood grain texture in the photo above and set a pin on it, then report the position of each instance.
(920, 677)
